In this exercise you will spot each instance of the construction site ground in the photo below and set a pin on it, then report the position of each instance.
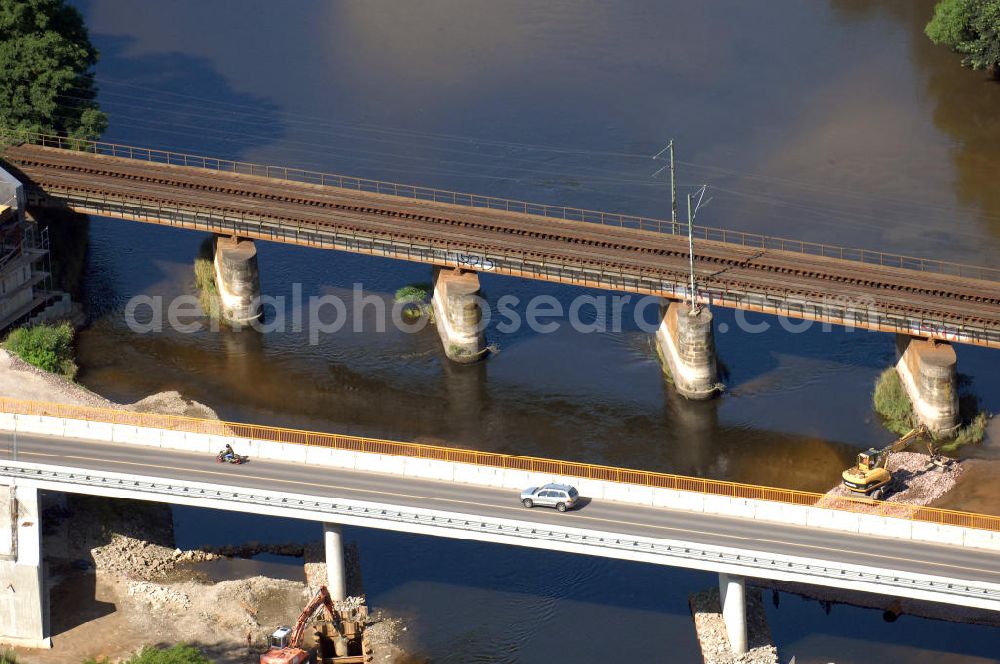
(118, 583)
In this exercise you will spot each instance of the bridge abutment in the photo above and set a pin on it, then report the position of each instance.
(333, 542)
(732, 595)
(687, 345)
(927, 370)
(23, 605)
(238, 278)
(457, 314)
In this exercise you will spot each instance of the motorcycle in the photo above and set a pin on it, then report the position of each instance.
(235, 458)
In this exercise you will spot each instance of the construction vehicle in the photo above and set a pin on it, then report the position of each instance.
(286, 642)
(870, 475)
(338, 637)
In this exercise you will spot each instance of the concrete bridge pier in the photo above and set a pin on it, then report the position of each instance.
(927, 370)
(687, 345)
(732, 596)
(333, 541)
(23, 600)
(237, 278)
(457, 314)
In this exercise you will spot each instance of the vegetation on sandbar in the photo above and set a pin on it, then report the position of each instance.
(893, 404)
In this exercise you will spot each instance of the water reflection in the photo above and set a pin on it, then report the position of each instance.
(833, 122)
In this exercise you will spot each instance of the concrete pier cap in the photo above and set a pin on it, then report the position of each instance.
(928, 371)
(457, 314)
(687, 344)
(238, 278)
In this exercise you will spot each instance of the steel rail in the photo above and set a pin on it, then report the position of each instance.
(812, 306)
(728, 236)
(712, 257)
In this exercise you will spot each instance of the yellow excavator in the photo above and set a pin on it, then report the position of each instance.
(870, 475)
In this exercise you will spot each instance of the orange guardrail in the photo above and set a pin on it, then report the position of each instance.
(504, 461)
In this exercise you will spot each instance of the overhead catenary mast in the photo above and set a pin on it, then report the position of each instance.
(693, 308)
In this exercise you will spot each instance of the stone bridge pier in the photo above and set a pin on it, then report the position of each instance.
(238, 279)
(927, 370)
(23, 596)
(457, 314)
(686, 344)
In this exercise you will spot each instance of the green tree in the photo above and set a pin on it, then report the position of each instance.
(970, 27)
(46, 70)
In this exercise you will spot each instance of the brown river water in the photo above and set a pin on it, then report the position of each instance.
(832, 121)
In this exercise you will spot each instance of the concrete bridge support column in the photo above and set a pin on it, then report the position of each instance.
(333, 540)
(732, 596)
(457, 314)
(687, 346)
(237, 278)
(23, 601)
(927, 370)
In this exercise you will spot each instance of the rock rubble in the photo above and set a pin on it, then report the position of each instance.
(712, 635)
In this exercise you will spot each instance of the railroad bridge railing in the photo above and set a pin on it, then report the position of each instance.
(741, 238)
(871, 315)
(553, 467)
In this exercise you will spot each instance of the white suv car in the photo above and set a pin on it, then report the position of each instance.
(560, 496)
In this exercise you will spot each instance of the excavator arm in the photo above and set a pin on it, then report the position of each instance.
(905, 441)
(322, 598)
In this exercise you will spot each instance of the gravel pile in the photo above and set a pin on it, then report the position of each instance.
(172, 403)
(157, 597)
(912, 483)
(712, 635)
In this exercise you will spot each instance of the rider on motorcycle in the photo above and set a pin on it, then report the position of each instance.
(228, 454)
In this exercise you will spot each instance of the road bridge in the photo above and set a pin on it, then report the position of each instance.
(911, 297)
(735, 530)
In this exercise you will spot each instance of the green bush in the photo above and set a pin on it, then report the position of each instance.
(970, 27)
(414, 293)
(179, 654)
(204, 279)
(415, 297)
(48, 347)
(8, 657)
(892, 403)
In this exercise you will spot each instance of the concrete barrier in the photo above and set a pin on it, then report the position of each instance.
(511, 479)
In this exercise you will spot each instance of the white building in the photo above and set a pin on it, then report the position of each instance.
(23, 258)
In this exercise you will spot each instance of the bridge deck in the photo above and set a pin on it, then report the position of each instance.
(948, 301)
(699, 527)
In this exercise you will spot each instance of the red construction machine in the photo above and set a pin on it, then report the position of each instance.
(286, 642)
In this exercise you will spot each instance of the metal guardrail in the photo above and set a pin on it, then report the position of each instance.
(503, 461)
(741, 238)
(753, 560)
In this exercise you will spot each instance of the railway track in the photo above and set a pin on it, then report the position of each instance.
(724, 265)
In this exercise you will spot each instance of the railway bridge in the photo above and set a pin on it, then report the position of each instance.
(928, 304)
